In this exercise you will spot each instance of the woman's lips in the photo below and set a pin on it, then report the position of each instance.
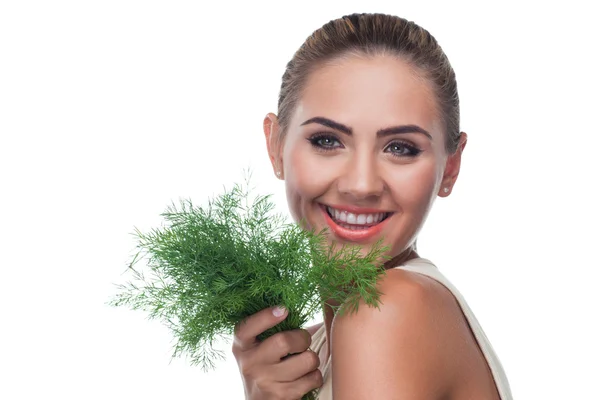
(358, 232)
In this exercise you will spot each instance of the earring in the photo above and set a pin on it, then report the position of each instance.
(278, 173)
(446, 190)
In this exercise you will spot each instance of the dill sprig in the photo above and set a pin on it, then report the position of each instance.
(210, 267)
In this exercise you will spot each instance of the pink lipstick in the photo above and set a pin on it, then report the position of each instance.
(354, 224)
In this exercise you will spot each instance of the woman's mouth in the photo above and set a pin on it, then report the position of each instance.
(356, 226)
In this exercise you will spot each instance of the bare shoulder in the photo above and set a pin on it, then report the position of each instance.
(417, 344)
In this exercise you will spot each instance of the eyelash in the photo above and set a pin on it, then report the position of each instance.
(413, 151)
(317, 138)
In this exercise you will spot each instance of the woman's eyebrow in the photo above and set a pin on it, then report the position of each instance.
(403, 129)
(380, 133)
(328, 123)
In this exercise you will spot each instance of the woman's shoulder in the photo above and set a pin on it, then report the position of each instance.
(417, 289)
(417, 338)
(412, 301)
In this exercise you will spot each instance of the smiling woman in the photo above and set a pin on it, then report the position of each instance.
(366, 138)
(378, 154)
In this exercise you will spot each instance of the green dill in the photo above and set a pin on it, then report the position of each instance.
(210, 267)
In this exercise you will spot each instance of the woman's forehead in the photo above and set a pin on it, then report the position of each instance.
(380, 90)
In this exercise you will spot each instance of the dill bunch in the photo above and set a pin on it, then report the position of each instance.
(210, 267)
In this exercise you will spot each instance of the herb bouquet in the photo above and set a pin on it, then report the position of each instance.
(211, 267)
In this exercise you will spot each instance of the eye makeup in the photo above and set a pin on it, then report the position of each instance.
(328, 142)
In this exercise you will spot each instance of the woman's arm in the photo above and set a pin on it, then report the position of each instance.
(417, 345)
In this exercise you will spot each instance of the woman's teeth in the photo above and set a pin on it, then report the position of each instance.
(348, 218)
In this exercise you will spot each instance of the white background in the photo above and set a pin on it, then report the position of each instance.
(111, 109)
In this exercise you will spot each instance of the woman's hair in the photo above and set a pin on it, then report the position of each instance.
(371, 35)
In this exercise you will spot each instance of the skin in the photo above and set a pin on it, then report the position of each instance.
(424, 347)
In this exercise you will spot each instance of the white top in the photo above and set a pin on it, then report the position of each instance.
(427, 268)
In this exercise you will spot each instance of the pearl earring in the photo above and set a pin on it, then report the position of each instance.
(446, 190)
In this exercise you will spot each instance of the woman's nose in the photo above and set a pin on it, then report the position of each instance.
(361, 179)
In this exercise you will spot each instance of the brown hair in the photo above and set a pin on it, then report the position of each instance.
(369, 35)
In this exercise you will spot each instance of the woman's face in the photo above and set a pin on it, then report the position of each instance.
(364, 153)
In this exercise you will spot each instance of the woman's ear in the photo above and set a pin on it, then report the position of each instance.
(453, 167)
(271, 129)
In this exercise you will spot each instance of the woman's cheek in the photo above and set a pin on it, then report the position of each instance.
(302, 181)
(310, 173)
(413, 183)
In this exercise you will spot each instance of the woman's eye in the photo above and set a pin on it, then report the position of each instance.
(324, 142)
(401, 149)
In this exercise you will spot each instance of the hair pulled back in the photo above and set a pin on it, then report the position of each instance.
(371, 35)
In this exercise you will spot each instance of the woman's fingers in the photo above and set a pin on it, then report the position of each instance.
(279, 367)
(282, 344)
(295, 366)
(245, 332)
(298, 388)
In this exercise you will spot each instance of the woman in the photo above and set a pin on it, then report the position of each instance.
(366, 137)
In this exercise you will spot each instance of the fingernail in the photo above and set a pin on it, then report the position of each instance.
(278, 311)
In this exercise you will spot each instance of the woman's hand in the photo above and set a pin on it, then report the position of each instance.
(267, 371)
